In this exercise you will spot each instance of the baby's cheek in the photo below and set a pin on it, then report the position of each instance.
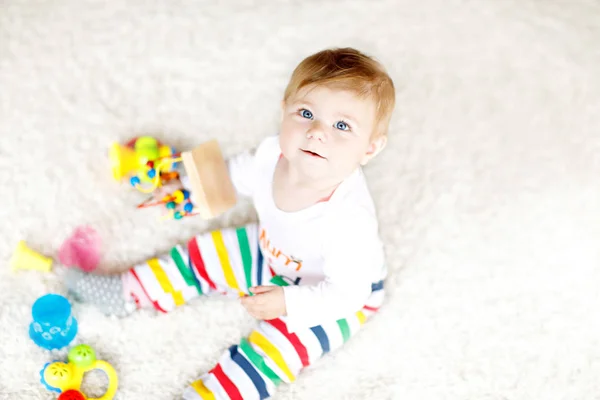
(287, 144)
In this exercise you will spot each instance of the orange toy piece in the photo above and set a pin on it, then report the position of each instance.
(209, 179)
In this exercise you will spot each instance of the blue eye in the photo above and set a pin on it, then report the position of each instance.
(306, 114)
(342, 126)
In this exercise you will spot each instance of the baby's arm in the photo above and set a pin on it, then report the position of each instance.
(242, 172)
(353, 261)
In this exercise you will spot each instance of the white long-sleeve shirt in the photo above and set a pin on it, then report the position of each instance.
(330, 253)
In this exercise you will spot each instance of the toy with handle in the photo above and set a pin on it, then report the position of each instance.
(66, 378)
(150, 167)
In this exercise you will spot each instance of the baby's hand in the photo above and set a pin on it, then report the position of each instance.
(267, 303)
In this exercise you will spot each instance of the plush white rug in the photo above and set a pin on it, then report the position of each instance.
(489, 192)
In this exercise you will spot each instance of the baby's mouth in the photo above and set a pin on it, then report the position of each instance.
(312, 153)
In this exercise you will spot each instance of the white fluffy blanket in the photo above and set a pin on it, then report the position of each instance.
(488, 193)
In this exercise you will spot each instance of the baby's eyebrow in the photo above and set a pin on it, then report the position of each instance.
(303, 102)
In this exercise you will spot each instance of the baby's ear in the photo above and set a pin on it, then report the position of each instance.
(375, 148)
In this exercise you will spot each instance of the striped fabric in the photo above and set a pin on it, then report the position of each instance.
(229, 262)
(215, 263)
(272, 355)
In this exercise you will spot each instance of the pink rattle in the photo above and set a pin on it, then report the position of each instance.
(81, 250)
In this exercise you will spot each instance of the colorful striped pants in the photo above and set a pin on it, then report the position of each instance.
(228, 262)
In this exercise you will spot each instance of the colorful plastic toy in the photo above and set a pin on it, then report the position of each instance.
(144, 160)
(25, 258)
(66, 378)
(81, 249)
(53, 326)
(149, 166)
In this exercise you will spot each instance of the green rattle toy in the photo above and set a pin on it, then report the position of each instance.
(66, 378)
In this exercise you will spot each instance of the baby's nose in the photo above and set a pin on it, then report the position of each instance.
(316, 131)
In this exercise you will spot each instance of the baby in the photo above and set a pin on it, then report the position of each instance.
(312, 269)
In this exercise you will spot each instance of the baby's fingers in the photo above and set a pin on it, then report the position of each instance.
(253, 301)
(253, 310)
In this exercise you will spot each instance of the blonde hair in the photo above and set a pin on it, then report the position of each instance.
(348, 69)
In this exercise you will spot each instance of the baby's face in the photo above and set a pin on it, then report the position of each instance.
(326, 133)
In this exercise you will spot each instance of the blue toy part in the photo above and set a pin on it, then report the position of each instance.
(176, 164)
(135, 180)
(53, 326)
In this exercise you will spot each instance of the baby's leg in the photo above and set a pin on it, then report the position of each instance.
(272, 355)
(225, 261)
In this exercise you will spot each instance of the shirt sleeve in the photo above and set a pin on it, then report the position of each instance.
(242, 171)
(244, 168)
(353, 255)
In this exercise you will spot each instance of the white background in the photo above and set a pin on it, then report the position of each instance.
(488, 194)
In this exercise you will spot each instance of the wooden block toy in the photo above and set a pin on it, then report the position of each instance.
(212, 189)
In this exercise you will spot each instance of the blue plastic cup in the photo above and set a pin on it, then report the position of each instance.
(53, 326)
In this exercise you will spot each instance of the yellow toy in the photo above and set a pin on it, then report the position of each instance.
(26, 258)
(143, 159)
(66, 378)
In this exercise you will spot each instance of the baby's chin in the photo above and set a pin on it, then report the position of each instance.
(310, 167)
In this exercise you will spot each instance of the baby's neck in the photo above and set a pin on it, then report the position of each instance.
(293, 191)
(309, 184)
